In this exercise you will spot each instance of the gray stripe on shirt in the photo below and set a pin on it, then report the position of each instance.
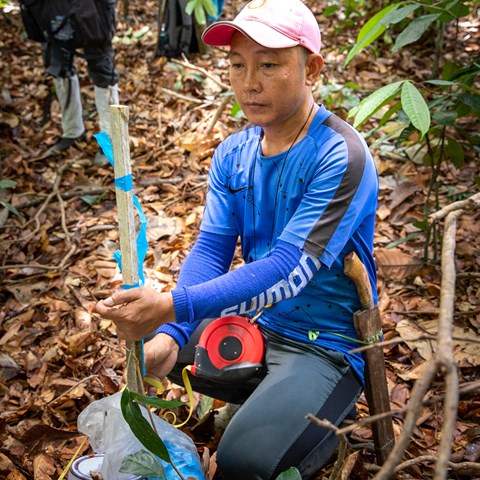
(331, 217)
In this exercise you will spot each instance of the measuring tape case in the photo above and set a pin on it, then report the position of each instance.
(229, 350)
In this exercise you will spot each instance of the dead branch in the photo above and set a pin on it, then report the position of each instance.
(419, 338)
(175, 94)
(65, 196)
(52, 194)
(468, 204)
(466, 468)
(343, 446)
(68, 238)
(468, 275)
(186, 64)
(443, 362)
(28, 265)
(464, 389)
(444, 355)
(219, 111)
(66, 392)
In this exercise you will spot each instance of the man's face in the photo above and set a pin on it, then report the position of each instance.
(269, 84)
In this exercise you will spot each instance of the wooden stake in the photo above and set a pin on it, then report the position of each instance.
(127, 230)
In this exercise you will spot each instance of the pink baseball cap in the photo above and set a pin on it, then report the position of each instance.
(271, 23)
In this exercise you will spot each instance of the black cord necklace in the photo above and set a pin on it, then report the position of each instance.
(279, 183)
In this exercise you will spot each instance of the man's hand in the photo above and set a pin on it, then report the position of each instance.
(137, 312)
(160, 354)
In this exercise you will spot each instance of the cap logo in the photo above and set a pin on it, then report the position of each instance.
(256, 4)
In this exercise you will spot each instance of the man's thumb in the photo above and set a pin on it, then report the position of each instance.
(108, 302)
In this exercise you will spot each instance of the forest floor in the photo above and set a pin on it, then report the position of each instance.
(56, 251)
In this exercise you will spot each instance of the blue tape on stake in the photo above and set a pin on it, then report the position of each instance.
(126, 184)
(106, 145)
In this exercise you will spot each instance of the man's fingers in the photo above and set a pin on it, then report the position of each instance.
(103, 307)
(117, 299)
(122, 296)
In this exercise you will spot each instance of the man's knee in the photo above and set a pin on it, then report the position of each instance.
(58, 61)
(101, 66)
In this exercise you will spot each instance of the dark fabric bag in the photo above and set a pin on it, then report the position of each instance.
(76, 23)
(176, 31)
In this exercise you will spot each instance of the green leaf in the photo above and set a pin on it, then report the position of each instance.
(7, 184)
(89, 199)
(327, 12)
(236, 111)
(155, 402)
(290, 474)
(199, 13)
(465, 73)
(455, 9)
(445, 118)
(415, 107)
(353, 86)
(388, 114)
(204, 406)
(414, 30)
(11, 208)
(409, 237)
(141, 428)
(396, 16)
(143, 464)
(471, 100)
(441, 83)
(190, 7)
(370, 31)
(368, 106)
(140, 33)
(209, 8)
(423, 225)
(455, 153)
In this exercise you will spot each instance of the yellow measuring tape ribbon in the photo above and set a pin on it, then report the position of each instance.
(188, 387)
(70, 463)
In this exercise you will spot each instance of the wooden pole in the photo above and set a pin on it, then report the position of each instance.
(127, 230)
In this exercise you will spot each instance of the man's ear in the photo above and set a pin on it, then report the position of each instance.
(313, 68)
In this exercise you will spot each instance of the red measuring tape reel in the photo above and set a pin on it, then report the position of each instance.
(229, 350)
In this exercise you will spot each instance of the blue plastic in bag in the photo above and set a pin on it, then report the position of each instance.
(111, 435)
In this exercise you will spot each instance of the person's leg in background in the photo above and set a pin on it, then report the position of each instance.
(59, 64)
(101, 69)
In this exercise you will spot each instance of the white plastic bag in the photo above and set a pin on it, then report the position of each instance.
(110, 434)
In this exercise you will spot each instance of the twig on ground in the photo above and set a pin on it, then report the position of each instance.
(175, 94)
(68, 239)
(468, 468)
(342, 449)
(419, 338)
(39, 212)
(469, 203)
(186, 64)
(65, 196)
(442, 362)
(219, 111)
(66, 392)
(463, 390)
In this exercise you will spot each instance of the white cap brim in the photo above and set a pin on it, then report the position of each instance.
(220, 34)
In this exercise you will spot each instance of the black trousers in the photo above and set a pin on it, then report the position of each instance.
(59, 62)
(270, 433)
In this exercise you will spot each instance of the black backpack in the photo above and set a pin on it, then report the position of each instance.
(76, 23)
(176, 30)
